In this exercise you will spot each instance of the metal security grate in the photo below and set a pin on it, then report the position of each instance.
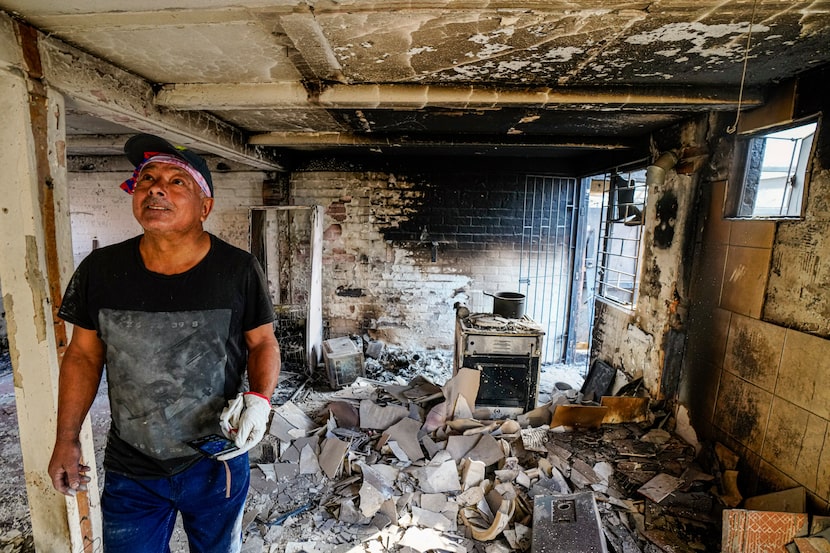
(621, 229)
(547, 258)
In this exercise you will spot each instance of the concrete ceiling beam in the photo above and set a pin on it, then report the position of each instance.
(185, 97)
(309, 41)
(245, 96)
(105, 91)
(314, 139)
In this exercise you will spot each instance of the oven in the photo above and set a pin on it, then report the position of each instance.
(508, 354)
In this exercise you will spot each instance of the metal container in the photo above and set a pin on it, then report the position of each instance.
(507, 355)
(567, 524)
(508, 304)
(344, 362)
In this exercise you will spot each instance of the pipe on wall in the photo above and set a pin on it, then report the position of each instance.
(656, 172)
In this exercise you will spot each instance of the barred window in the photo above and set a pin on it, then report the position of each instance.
(621, 229)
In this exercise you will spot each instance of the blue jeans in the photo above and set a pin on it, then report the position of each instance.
(140, 515)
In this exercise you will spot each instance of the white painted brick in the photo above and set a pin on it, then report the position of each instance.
(407, 295)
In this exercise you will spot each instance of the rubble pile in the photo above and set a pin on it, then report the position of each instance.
(13, 541)
(406, 467)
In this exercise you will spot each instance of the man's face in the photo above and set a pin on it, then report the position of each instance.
(166, 198)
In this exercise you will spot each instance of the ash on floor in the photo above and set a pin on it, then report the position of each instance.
(397, 463)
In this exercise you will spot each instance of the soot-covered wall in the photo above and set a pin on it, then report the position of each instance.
(401, 249)
(647, 341)
(756, 373)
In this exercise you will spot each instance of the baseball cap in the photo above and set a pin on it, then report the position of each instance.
(137, 146)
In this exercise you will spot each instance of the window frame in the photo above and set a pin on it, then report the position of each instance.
(742, 193)
(612, 225)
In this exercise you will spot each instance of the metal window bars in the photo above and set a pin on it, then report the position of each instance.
(618, 256)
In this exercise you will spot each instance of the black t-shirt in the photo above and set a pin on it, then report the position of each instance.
(175, 347)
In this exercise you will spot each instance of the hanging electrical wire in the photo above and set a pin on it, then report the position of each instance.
(734, 127)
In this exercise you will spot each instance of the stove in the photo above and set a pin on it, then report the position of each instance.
(508, 354)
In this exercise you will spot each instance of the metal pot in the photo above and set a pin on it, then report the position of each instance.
(510, 305)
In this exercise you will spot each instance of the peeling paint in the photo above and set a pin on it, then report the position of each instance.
(420, 50)
(492, 49)
(699, 34)
(565, 53)
(505, 66)
(11, 327)
(668, 53)
(38, 285)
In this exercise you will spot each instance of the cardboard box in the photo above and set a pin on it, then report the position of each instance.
(344, 362)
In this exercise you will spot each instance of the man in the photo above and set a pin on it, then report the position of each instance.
(175, 314)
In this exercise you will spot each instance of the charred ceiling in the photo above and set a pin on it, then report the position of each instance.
(291, 80)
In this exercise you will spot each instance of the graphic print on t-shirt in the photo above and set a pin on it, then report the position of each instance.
(166, 375)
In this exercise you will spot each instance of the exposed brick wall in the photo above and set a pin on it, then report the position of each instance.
(379, 276)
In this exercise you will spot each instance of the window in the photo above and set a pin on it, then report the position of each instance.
(769, 172)
(623, 203)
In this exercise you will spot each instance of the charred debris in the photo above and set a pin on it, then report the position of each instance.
(397, 462)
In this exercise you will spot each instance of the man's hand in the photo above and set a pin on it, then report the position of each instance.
(66, 469)
(245, 425)
(80, 375)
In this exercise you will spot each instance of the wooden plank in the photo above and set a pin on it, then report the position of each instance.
(625, 409)
(578, 416)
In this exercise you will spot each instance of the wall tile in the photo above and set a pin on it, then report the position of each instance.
(742, 410)
(794, 442)
(823, 479)
(709, 276)
(717, 228)
(804, 377)
(709, 392)
(753, 234)
(772, 479)
(718, 336)
(799, 277)
(745, 279)
(753, 351)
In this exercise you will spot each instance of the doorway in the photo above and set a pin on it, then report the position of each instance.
(287, 241)
(552, 264)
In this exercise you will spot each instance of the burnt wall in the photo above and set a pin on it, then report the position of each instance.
(400, 250)
(755, 373)
(466, 210)
(800, 274)
(4, 333)
(647, 341)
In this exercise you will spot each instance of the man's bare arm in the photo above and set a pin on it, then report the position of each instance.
(80, 376)
(263, 359)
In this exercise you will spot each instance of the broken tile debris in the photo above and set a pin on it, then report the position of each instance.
(393, 463)
(404, 466)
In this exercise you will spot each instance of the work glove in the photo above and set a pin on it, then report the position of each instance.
(244, 421)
